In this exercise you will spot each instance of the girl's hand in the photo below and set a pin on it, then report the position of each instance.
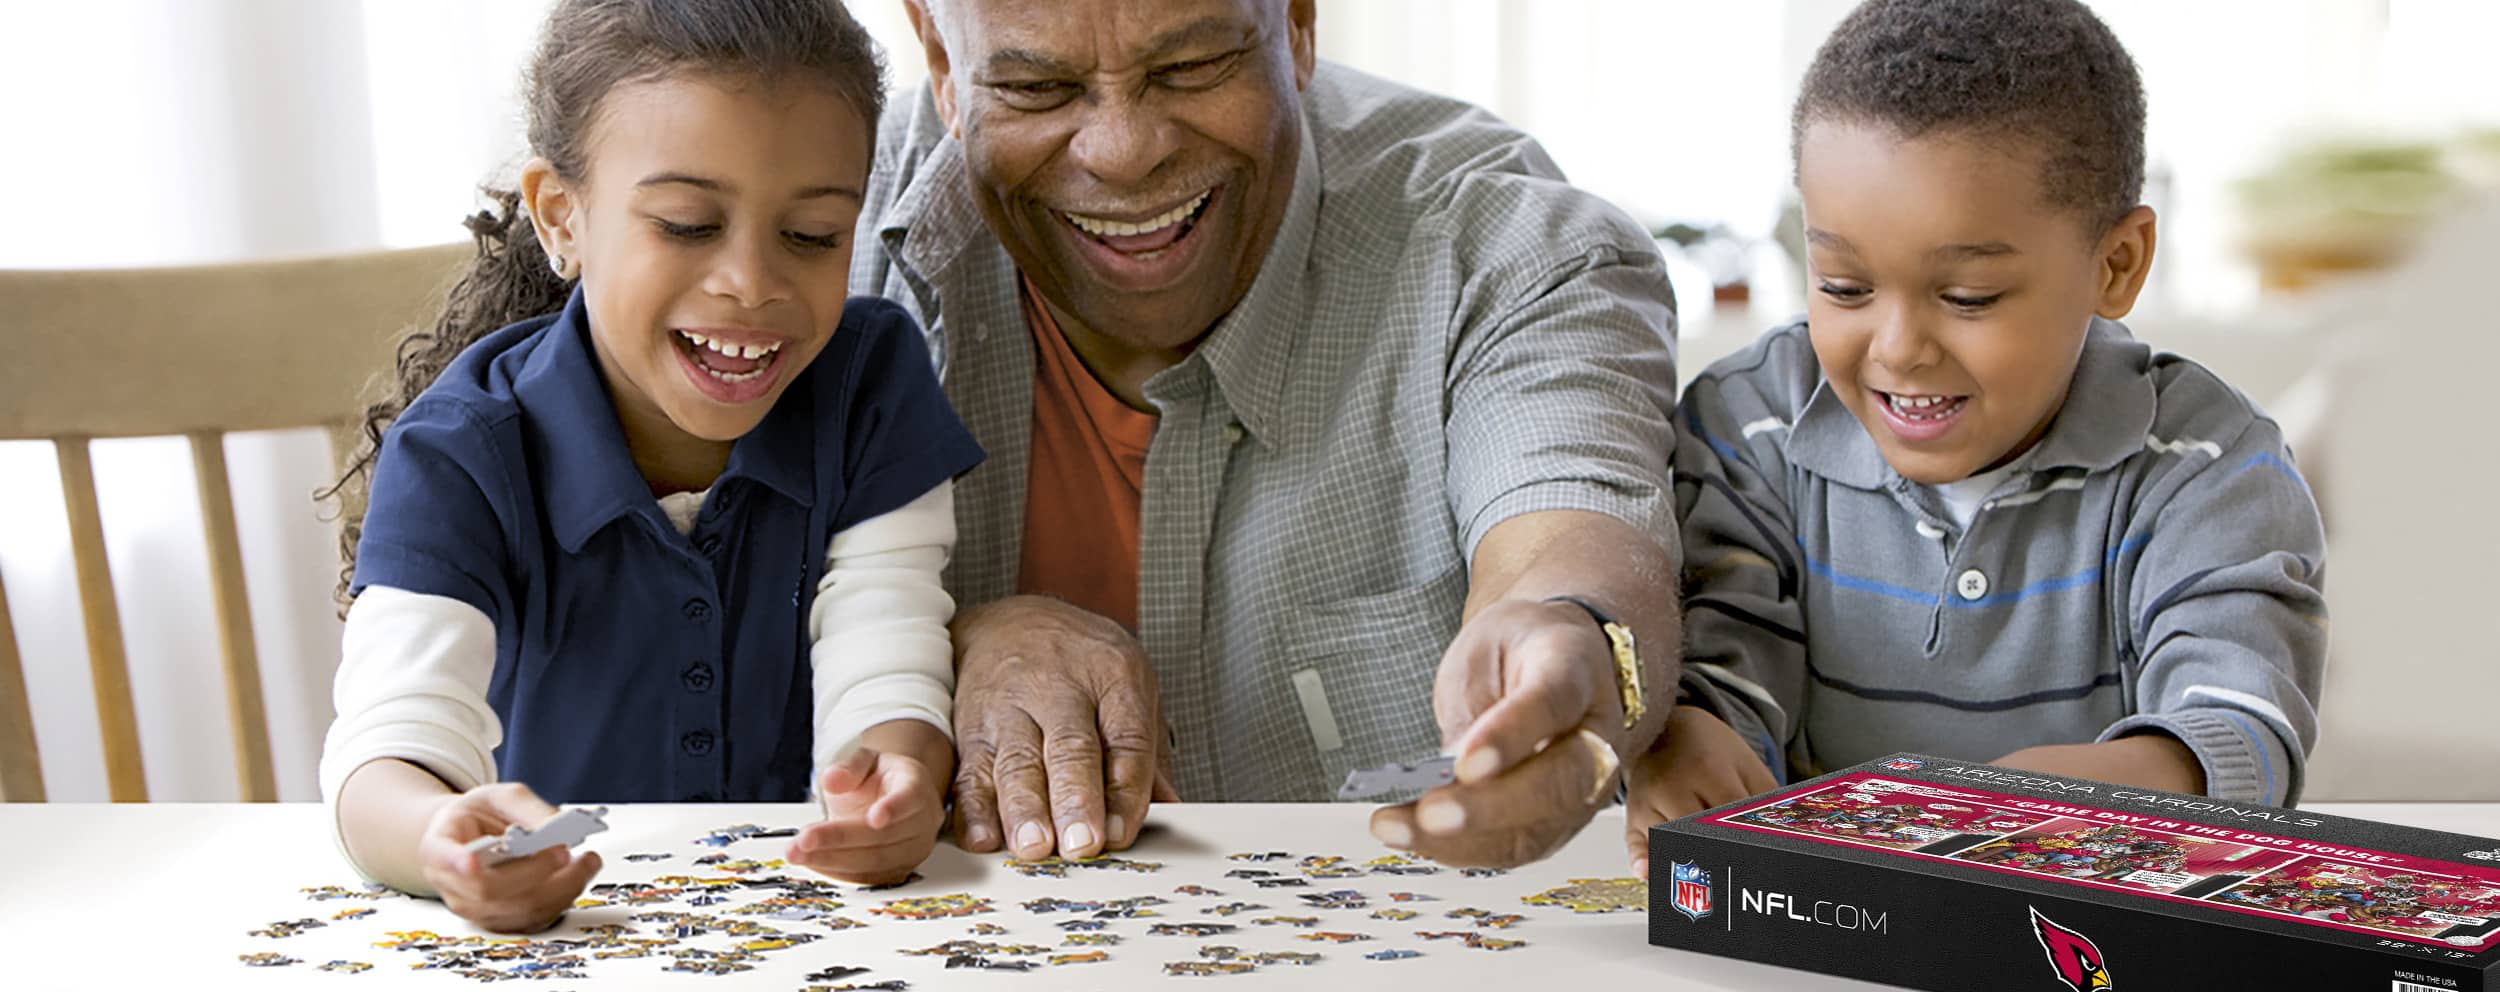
(1698, 763)
(882, 813)
(524, 895)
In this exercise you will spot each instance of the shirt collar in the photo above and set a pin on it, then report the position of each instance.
(1251, 349)
(585, 470)
(2107, 414)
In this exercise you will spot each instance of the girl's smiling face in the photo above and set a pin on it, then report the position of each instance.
(1947, 297)
(712, 235)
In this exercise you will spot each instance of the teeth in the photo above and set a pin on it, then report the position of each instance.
(1923, 407)
(729, 350)
(1101, 228)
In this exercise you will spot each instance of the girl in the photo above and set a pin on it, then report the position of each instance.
(599, 540)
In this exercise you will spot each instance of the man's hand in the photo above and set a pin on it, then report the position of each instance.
(524, 895)
(1698, 763)
(1527, 702)
(884, 802)
(1053, 703)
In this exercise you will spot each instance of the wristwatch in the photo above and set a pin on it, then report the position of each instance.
(1628, 676)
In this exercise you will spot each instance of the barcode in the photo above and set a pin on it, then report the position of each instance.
(2405, 986)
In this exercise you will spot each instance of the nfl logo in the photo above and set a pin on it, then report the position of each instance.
(1905, 764)
(1692, 890)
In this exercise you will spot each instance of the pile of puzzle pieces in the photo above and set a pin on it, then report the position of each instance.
(744, 913)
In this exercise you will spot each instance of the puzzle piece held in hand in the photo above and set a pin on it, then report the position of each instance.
(565, 829)
(1430, 773)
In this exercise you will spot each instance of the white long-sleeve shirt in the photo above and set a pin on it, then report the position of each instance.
(414, 668)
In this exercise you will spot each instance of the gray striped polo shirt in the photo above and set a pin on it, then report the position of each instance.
(2155, 565)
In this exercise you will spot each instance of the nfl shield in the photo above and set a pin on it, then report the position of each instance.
(1905, 764)
(1692, 890)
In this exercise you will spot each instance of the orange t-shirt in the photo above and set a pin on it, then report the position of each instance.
(1085, 483)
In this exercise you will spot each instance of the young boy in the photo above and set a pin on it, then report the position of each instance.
(1960, 510)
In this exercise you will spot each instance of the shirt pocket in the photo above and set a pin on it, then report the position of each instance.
(1360, 672)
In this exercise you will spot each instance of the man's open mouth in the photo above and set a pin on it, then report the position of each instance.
(1143, 239)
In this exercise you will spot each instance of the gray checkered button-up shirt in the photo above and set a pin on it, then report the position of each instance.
(1444, 335)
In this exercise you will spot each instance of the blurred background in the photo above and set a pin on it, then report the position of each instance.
(2325, 171)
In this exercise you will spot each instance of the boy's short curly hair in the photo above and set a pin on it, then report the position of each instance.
(2046, 72)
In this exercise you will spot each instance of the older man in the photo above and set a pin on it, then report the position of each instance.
(1327, 427)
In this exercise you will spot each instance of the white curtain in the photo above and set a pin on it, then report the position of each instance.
(201, 130)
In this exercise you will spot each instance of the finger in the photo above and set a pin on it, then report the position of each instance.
(904, 795)
(517, 804)
(1513, 818)
(834, 834)
(1133, 742)
(873, 865)
(504, 897)
(847, 771)
(516, 907)
(851, 842)
(459, 823)
(1468, 681)
(1603, 762)
(1395, 826)
(1072, 759)
(453, 860)
(1636, 850)
(1756, 778)
(1640, 814)
(1023, 786)
(1548, 697)
(566, 885)
(976, 825)
(453, 881)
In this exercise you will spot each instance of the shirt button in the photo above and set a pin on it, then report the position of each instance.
(698, 677)
(698, 743)
(1972, 585)
(718, 504)
(1232, 433)
(698, 610)
(709, 545)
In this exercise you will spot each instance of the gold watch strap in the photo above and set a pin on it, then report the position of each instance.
(1628, 678)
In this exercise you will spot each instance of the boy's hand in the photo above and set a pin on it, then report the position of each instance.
(524, 895)
(882, 813)
(1698, 763)
(2148, 760)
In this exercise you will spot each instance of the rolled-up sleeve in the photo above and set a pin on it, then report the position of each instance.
(1565, 400)
(881, 651)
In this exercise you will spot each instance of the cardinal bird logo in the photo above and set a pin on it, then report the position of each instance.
(2078, 961)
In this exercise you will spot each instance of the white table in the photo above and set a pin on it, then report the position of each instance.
(99, 896)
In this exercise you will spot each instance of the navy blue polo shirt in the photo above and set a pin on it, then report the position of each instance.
(633, 663)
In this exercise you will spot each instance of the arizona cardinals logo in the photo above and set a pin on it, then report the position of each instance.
(2077, 960)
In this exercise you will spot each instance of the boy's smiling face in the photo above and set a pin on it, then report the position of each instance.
(1948, 298)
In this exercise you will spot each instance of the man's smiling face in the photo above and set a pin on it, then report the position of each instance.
(1133, 156)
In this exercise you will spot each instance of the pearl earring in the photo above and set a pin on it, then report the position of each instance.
(556, 264)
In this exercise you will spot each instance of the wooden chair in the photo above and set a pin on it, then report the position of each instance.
(192, 351)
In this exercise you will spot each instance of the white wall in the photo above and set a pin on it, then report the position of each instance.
(194, 130)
